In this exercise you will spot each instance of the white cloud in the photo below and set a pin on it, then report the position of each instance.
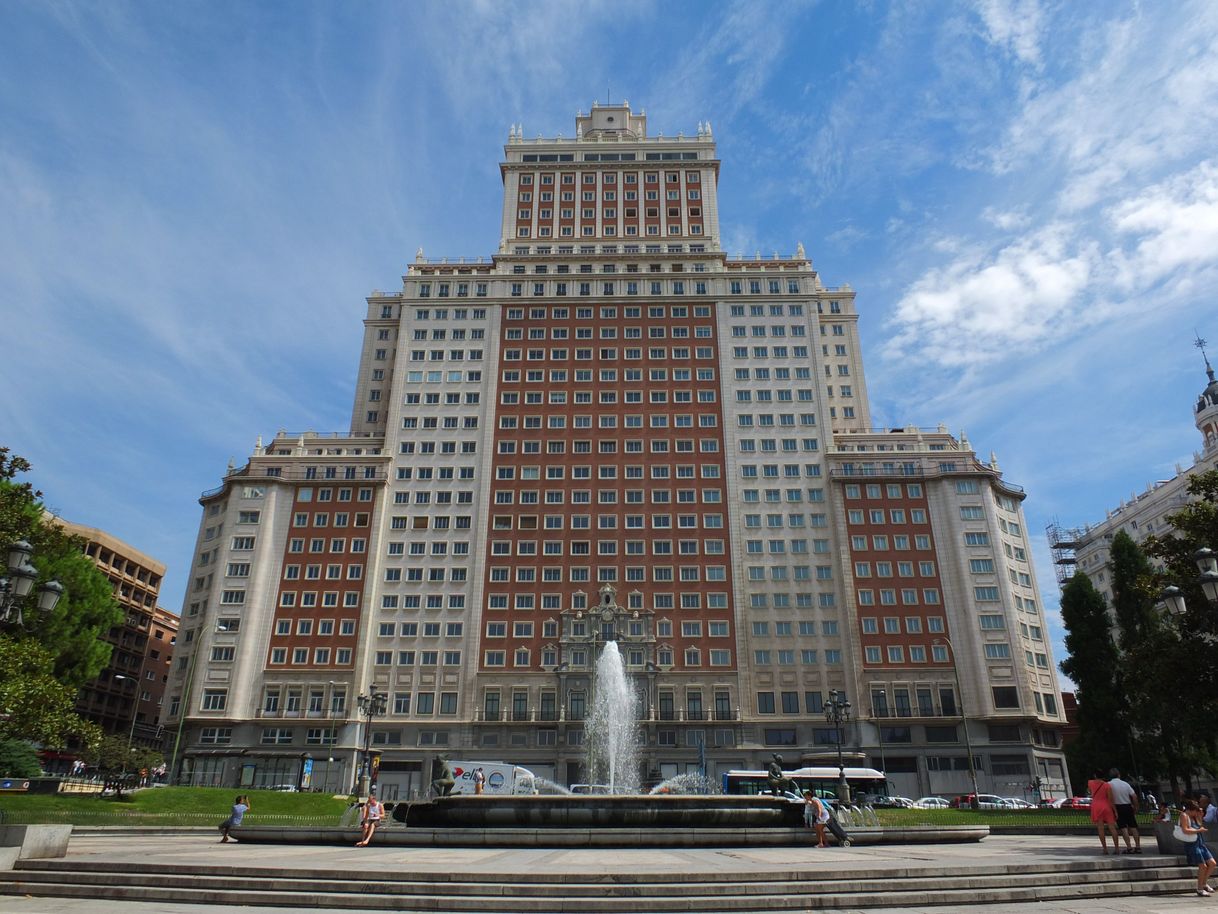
(1112, 200)
(847, 236)
(1144, 95)
(1006, 219)
(983, 306)
(1174, 224)
(1014, 25)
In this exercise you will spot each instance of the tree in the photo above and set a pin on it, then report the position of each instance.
(1193, 527)
(18, 759)
(34, 704)
(74, 631)
(1135, 612)
(1092, 663)
(1194, 676)
(109, 755)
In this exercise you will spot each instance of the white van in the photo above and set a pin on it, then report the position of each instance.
(501, 777)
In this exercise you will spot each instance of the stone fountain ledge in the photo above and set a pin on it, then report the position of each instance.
(399, 836)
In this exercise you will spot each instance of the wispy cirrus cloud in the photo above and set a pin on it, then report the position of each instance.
(1015, 25)
(1123, 203)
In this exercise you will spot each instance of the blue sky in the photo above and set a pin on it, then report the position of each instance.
(195, 197)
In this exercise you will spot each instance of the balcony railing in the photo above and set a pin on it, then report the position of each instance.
(905, 469)
(910, 713)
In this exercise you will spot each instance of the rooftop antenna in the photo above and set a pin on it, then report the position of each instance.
(1200, 344)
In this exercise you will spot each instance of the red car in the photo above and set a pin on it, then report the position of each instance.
(1076, 803)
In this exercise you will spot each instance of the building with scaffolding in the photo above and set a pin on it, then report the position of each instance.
(1088, 548)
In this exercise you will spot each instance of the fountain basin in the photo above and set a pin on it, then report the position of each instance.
(615, 811)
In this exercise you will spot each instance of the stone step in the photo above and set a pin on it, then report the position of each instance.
(504, 888)
(849, 869)
(626, 905)
(685, 894)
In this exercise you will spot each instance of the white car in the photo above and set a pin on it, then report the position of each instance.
(904, 802)
(1017, 803)
(931, 803)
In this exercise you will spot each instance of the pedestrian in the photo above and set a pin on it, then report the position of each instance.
(479, 781)
(373, 812)
(1209, 812)
(1125, 799)
(1103, 812)
(816, 815)
(241, 806)
(1191, 832)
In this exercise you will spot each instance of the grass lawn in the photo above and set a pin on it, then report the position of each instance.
(208, 806)
(1035, 818)
(172, 806)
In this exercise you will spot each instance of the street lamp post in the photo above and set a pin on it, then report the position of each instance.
(975, 803)
(134, 712)
(332, 732)
(837, 712)
(15, 586)
(371, 706)
(184, 701)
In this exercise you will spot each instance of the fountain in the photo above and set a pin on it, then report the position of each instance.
(612, 728)
(683, 811)
(686, 784)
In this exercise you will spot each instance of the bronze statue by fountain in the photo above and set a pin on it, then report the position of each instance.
(442, 780)
(776, 780)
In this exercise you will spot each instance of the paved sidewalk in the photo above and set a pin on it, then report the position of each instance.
(874, 861)
(1172, 905)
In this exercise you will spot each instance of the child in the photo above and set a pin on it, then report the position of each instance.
(241, 806)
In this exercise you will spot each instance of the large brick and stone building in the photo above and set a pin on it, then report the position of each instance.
(127, 697)
(612, 430)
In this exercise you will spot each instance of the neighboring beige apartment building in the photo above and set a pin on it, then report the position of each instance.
(612, 429)
(127, 696)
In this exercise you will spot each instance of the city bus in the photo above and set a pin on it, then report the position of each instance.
(821, 780)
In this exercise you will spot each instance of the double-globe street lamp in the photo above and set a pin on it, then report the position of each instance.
(1207, 564)
(837, 712)
(17, 584)
(371, 706)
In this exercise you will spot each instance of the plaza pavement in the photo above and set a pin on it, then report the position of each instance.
(203, 849)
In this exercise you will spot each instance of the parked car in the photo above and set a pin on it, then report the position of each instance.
(881, 801)
(984, 801)
(1017, 803)
(824, 796)
(931, 803)
(285, 788)
(1075, 803)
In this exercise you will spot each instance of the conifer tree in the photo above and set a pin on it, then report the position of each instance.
(1092, 665)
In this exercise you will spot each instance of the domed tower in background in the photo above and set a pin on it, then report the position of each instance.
(1207, 404)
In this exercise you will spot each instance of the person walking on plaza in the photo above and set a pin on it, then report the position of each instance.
(241, 806)
(1103, 813)
(816, 815)
(1191, 832)
(1125, 800)
(373, 813)
(479, 781)
(1209, 812)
